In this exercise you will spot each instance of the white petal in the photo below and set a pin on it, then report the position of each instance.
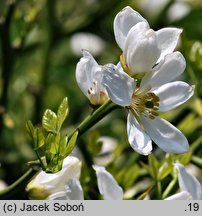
(119, 85)
(189, 182)
(173, 94)
(123, 22)
(85, 71)
(56, 182)
(74, 190)
(165, 135)
(183, 195)
(168, 39)
(137, 137)
(141, 49)
(107, 185)
(170, 69)
(61, 195)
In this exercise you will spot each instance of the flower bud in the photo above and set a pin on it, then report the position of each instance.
(44, 184)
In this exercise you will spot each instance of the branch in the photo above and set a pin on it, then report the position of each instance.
(19, 185)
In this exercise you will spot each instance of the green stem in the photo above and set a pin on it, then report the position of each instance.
(40, 160)
(197, 161)
(95, 117)
(169, 188)
(90, 121)
(159, 190)
(196, 144)
(19, 185)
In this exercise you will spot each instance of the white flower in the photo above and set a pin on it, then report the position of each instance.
(190, 187)
(45, 184)
(152, 7)
(91, 42)
(88, 77)
(107, 186)
(3, 185)
(142, 47)
(155, 94)
(178, 10)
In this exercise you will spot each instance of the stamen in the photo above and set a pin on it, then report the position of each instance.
(146, 104)
(96, 96)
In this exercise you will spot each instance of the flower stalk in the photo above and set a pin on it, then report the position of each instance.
(19, 185)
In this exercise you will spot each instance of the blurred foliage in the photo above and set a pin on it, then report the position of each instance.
(37, 70)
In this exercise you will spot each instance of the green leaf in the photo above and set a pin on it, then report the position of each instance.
(49, 140)
(30, 129)
(54, 166)
(164, 171)
(63, 146)
(166, 168)
(62, 113)
(49, 121)
(52, 143)
(185, 158)
(71, 143)
(38, 138)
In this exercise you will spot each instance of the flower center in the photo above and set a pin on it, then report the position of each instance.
(146, 104)
(96, 95)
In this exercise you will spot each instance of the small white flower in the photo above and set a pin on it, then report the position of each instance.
(142, 47)
(89, 76)
(3, 185)
(155, 94)
(107, 186)
(178, 10)
(190, 187)
(91, 42)
(105, 156)
(45, 184)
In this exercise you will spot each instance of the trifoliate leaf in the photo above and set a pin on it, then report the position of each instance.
(62, 113)
(49, 121)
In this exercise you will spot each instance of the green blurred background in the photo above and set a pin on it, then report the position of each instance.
(40, 45)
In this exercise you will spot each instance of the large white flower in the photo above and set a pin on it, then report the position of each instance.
(88, 77)
(155, 94)
(107, 185)
(142, 47)
(44, 184)
(190, 187)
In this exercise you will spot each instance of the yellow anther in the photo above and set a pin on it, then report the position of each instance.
(146, 104)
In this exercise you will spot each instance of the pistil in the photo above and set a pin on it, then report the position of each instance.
(146, 104)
